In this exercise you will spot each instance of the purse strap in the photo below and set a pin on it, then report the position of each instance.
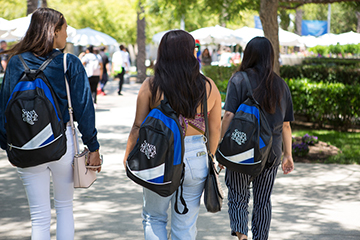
(70, 108)
(211, 156)
(206, 121)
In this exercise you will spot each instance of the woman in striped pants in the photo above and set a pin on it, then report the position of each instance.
(274, 96)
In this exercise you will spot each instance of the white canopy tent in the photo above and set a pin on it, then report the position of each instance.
(217, 35)
(5, 30)
(4, 25)
(158, 36)
(309, 41)
(20, 26)
(16, 29)
(348, 38)
(285, 38)
(247, 33)
(88, 36)
(328, 39)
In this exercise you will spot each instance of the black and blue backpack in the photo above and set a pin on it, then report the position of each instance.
(156, 162)
(34, 127)
(247, 144)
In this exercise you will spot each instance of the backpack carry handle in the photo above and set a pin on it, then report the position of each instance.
(41, 68)
(47, 61)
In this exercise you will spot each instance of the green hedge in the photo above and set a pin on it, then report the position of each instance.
(335, 104)
(349, 75)
(324, 96)
(331, 61)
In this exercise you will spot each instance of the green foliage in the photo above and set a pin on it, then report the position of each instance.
(315, 11)
(11, 9)
(347, 142)
(320, 50)
(115, 18)
(285, 19)
(336, 49)
(349, 75)
(217, 73)
(326, 103)
(221, 76)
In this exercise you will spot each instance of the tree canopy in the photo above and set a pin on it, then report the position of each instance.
(118, 18)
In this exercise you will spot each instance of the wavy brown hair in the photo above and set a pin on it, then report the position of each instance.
(259, 57)
(39, 38)
(177, 74)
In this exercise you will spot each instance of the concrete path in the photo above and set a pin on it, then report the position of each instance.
(316, 201)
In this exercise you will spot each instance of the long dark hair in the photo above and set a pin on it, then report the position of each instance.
(177, 74)
(259, 57)
(39, 38)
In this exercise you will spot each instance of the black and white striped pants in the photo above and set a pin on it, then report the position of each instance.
(238, 201)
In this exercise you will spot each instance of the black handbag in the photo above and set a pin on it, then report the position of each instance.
(213, 193)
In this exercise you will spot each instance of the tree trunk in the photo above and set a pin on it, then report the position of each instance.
(44, 3)
(141, 42)
(358, 22)
(298, 21)
(268, 17)
(31, 6)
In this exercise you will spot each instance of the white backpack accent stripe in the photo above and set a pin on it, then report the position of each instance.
(241, 157)
(151, 173)
(40, 138)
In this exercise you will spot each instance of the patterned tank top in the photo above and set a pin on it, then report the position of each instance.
(198, 123)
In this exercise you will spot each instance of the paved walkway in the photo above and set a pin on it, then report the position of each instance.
(316, 201)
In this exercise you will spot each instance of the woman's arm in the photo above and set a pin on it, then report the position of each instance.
(214, 101)
(287, 162)
(227, 118)
(101, 69)
(142, 110)
(225, 123)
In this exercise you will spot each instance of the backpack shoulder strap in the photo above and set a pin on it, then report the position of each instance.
(250, 92)
(27, 69)
(47, 61)
(247, 81)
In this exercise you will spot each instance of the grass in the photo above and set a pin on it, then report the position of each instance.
(348, 143)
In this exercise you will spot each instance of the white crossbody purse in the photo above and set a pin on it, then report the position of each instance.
(84, 177)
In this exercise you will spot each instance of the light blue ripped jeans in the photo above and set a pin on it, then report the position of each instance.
(155, 207)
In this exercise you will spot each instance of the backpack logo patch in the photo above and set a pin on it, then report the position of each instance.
(29, 116)
(238, 137)
(148, 149)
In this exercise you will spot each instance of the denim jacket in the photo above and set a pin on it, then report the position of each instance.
(81, 99)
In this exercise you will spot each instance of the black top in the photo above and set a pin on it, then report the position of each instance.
(105, 60)
(236, 94)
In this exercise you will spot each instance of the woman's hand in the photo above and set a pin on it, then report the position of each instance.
(221, 166)
(287, 164)
(95, 160)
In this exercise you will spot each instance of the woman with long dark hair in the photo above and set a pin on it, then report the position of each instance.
(177, 76)
(45, 35)
(274, 96)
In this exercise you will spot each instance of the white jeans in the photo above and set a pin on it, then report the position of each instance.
(36, 181)
(155, 207)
